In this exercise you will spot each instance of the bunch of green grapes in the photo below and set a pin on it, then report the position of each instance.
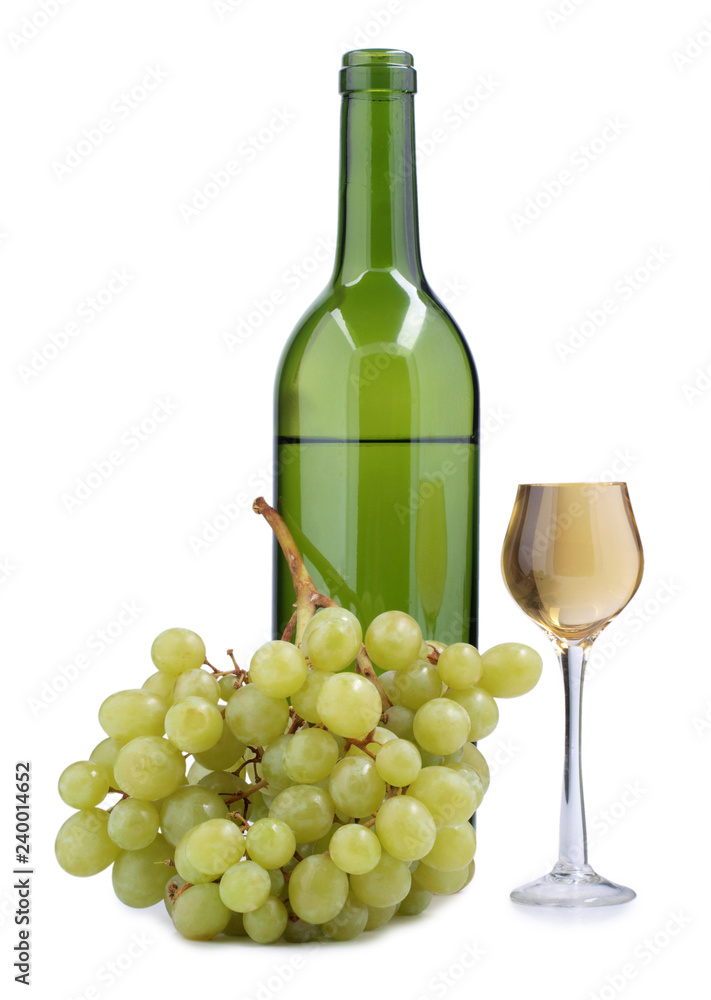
(300, 799)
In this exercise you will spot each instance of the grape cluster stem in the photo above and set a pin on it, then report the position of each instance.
(246, 792)
(240, 820)
(296, 724)
(363, 744)
(123, 796)
(174, 891)
(308, 596)
(288, 633)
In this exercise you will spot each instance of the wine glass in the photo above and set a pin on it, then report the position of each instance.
(572, 559)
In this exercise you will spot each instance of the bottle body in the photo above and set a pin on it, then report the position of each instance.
(377, 406)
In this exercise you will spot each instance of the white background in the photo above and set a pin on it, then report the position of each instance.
(615, 407)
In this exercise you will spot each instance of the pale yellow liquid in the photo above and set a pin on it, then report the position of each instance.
(572, 557)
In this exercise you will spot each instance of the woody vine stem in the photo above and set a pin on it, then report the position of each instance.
(308, 597)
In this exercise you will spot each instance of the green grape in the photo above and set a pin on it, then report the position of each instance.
(270, 842)
(278, 883)
(187, 870)
(443, 883)
(321, 845)
(307, 809)
(278, 669)
(459, 665)
(84, 784)
(199, 914)
(473, 778)
(393, 640)
(268, 922)
(160, 684)
(255, 718)
(245, 886)
(195, 772)
(223, 782)
(139, 879)
(510, 669)
(318, 889)
(272, 764)
(416, 901)
(448, 796)
(356, 787)
(429, 759)
(305, 700)
(441, 726)
(405, 828)
(83, 846)
(235, 926)
(481, 708)
(332, 639)
(349, 923)
(193, 724)
(387, 680)
(128, 714)
(398, 763)
(171, 888)
(133, 824)
(349, 705)
(214, 846)
(400, 721)
(176, 650)
(380, 915)
(386, 885)
(304, 851)
(257, 806)
(355, 849)
(195, 683)
(105, 753)
(416, 684)
(473, 756)
(310, 755)
(226, 685)
(299, 932)
(454, 848)
(224, 754)
(470, 873)
(149, 768)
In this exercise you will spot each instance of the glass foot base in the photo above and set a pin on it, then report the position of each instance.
(567, 886)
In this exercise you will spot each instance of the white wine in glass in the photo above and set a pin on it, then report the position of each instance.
(572, 559)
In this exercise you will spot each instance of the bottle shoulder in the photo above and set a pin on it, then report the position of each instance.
(379, 351)
(382, 307)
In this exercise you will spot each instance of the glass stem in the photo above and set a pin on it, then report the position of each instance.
(573, 849)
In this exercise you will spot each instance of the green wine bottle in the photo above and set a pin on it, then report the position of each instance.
(377, 406)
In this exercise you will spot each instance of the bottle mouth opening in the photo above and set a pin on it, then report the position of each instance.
(379, 70)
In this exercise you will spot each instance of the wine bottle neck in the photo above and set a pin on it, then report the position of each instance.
(378, 226)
